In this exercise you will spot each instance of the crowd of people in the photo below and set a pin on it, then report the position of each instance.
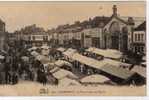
(13, 69)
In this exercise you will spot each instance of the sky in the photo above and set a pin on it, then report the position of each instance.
(50, 14)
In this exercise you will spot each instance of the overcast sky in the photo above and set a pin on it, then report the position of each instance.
(51, 14)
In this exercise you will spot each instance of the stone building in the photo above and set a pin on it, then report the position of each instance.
(92, 37)
(33, 35)
(70, 37)
(114, 32)
(2, 35)
(39, 38)
(139, 39)
(117, 33)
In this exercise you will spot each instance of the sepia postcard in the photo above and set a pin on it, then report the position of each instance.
(80, 48)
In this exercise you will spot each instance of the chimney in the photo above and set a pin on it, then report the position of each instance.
(131, 21)
(114, 10)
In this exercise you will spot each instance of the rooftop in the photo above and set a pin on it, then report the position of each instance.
(141, 27)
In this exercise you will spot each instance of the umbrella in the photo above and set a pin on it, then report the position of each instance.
(43, 59)
(33, 48)
(2, 57)
(39, 57)
(34, 53)
(25, 58)
(45, 47)
(2, 51)
(95, 79)
(45, 52)
(61, 49)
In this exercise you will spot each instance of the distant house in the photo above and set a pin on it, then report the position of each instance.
(139, 39)
(33, 35)
(39, 38)
(92, 37)
(117, 33)
(70, 37)
(11, 38)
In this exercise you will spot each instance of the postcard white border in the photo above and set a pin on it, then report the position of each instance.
(90, 97)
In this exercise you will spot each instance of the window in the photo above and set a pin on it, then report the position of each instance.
(29, 38)
(125, 30)
(129, 40)
(136, 49)
(142, 49)
(115, 28)
(142, 37)
(33, 37)
(45, 38)
(139, 37)
(136, 37)
(2, 27)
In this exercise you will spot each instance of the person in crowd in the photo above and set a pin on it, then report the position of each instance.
(11, 76)
(2, 72)
(7, 75)
(24, 75)
(51, 79)
(41, 76)
(15, 78)
(31, 73)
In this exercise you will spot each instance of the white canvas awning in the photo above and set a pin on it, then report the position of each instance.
(140, 70)
(61, 73)
(69, 52)
(95, 79)
(95, 63)
(68, 82)
(109, 53)
(116, 63)
(88, 61)
(61, 49)
(111, 67)
(60, 63)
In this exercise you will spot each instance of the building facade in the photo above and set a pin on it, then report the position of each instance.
(33, 35)
(115, 32)
(38, 38)
(92, 37)
(139, 39)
